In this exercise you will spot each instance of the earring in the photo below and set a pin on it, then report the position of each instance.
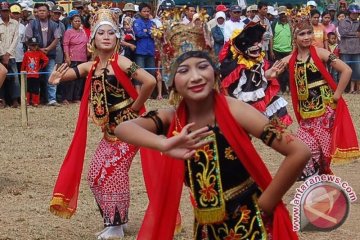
(174, 98)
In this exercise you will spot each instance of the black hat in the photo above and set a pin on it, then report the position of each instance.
(252, 33)
(33, 41)
(56, 8)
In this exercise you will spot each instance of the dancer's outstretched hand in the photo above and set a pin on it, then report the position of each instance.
(58, 73)
(277, 68)
(183, 144)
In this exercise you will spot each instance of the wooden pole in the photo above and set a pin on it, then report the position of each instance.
(24, 114)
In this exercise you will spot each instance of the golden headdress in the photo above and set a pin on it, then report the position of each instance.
(300, 19)
(176, 42)
(104, 17)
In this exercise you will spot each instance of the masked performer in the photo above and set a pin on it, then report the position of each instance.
(112, 100)
(245, 73)
(232, 192)
(325, 124)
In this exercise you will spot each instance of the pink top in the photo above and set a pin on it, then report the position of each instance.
(330, 28)
(75, 44)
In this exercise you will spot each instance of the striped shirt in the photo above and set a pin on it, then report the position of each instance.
(9, 35)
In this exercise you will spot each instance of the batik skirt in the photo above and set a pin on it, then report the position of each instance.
(316, 133)
(108, 178)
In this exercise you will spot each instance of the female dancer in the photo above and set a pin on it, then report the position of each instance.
(112, 100)
(231, 189)
(325, 123)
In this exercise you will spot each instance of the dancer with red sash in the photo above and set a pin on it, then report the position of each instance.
(113, 100)
(325, 124)
(232, 192)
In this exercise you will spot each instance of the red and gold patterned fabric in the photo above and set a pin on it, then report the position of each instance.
(160, 217)
(66, 190)
(344, 143)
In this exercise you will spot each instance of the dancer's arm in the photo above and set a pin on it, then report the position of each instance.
(344, 70)
(3, 72)
(142, 132)
(295, 151)
(147, 80)
(65, 73)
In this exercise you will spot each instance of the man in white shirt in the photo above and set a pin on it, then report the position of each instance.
(267, 44)
(233, 23)
(189, 13)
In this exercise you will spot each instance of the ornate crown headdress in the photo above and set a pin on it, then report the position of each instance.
(300, 19)
(177, 42)
(104, 17)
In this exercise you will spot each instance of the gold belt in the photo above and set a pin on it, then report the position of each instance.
(235, 191)
(121, 105)
(317, 83)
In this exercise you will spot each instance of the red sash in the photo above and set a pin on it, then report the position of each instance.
(66, 190)
(344, 144)
(160, 217)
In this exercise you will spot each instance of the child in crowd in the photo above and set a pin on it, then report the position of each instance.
(129, 42)
(33, 61)
(333, 47)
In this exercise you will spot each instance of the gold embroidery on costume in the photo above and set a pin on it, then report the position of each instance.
(205, 185)
(300, 80)
(313, 96)
(99, 101)
(229, 153)
(274, 129)
(132, 69)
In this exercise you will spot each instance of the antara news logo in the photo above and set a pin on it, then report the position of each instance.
(321, 203)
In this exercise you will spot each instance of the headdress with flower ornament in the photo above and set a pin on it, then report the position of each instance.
(178, 42)
(104, 17)
(300, 19)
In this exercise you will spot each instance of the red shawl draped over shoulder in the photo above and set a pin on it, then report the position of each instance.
(160, 217)
(344, 146)
(66, 190)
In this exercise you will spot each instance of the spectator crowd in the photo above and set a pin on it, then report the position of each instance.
(37, 38)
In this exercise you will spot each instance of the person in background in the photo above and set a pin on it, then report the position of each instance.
(9, 29)
(339, 16)
(267, 43)
(189, 13)
(3, 72)
(326, 22)
(349, 30)
(331, 8)
(272, 14)
(251, 12)
(48, 34)
(233, 23)
(129, 41)
(333, 47)
(282, 44)
(75, 50)
(129, 11)
(145, 43)
(27, 14)
(312, 5)
(343, 6)
(320, 37)
(34, 60)
(15, 13)
(217, 32)
(219, 8)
